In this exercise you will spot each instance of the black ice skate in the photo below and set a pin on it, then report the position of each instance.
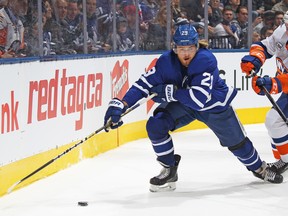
(278, 166)
(165, 181)
(267, 174)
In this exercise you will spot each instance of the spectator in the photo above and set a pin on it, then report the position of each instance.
(74, 16)
(56, 27)
(216, 16)
(266, 31)
(256, 19)
(129, 11)
(256, 37)
(91, 20)
(118, 9)
(241, 24)
(181, 21)
(12, 29)
(31, 34)
(74, 20)
(104, 19)
(49, 47)
(226, 29)
(177, 10)
(61, 11)
(162, 3)
(66, 37)
(234, 4)
(210, 26)
(278, 18)
(268, 4)
(194, 9)
(80, 5)
(267, 20)
(258, 7)
(281, 6)
(200, 30)
(123, 43)
(94, 43)
(3, 3)
(48, 12)
(157, 31)
(32, 38)
(149, 10)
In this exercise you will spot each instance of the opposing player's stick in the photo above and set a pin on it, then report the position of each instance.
(275, 105)
(144, 100)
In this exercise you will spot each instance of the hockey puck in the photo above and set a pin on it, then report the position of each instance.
(83, 203)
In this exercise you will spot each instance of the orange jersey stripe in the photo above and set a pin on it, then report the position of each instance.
(258, 51)
(283, 78)
(283, 149)
(276, 154)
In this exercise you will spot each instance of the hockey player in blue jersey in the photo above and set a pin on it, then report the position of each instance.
(186, 80)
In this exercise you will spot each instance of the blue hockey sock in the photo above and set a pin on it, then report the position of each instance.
(247, 154)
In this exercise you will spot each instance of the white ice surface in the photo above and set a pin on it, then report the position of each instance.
(211, 182)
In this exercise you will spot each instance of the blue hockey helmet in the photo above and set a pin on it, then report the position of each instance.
(185, 35)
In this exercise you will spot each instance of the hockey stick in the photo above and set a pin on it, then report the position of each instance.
(275, 105)
(144, 100)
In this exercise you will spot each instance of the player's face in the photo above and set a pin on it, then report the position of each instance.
(186, 54)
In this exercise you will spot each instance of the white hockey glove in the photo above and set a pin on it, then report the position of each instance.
(165, 93)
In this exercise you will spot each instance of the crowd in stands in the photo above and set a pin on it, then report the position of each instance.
(63, 30)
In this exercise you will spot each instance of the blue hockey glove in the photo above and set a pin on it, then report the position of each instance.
(272, 85)
(165, 93)
(113, 114)
(250, 63)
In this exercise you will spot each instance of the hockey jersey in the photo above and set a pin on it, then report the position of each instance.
(277, 45)
(198, 86)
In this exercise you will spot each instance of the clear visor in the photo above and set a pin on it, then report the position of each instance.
(184, 49)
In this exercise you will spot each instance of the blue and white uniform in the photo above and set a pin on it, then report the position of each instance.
(201, 94)
(188, 87)
(199, 86)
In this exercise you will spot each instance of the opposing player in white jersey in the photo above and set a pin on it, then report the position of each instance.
(275, 45)
(188, 86)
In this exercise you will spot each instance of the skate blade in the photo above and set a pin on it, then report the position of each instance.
(170, 186)
(285, 174)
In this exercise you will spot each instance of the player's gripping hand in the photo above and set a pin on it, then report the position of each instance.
(249, 64)
(272, 85)
(165, 93)
(113, 114)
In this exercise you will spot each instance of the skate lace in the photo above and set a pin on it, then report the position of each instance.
(164, 173)
(269, 175)
(279, 164)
